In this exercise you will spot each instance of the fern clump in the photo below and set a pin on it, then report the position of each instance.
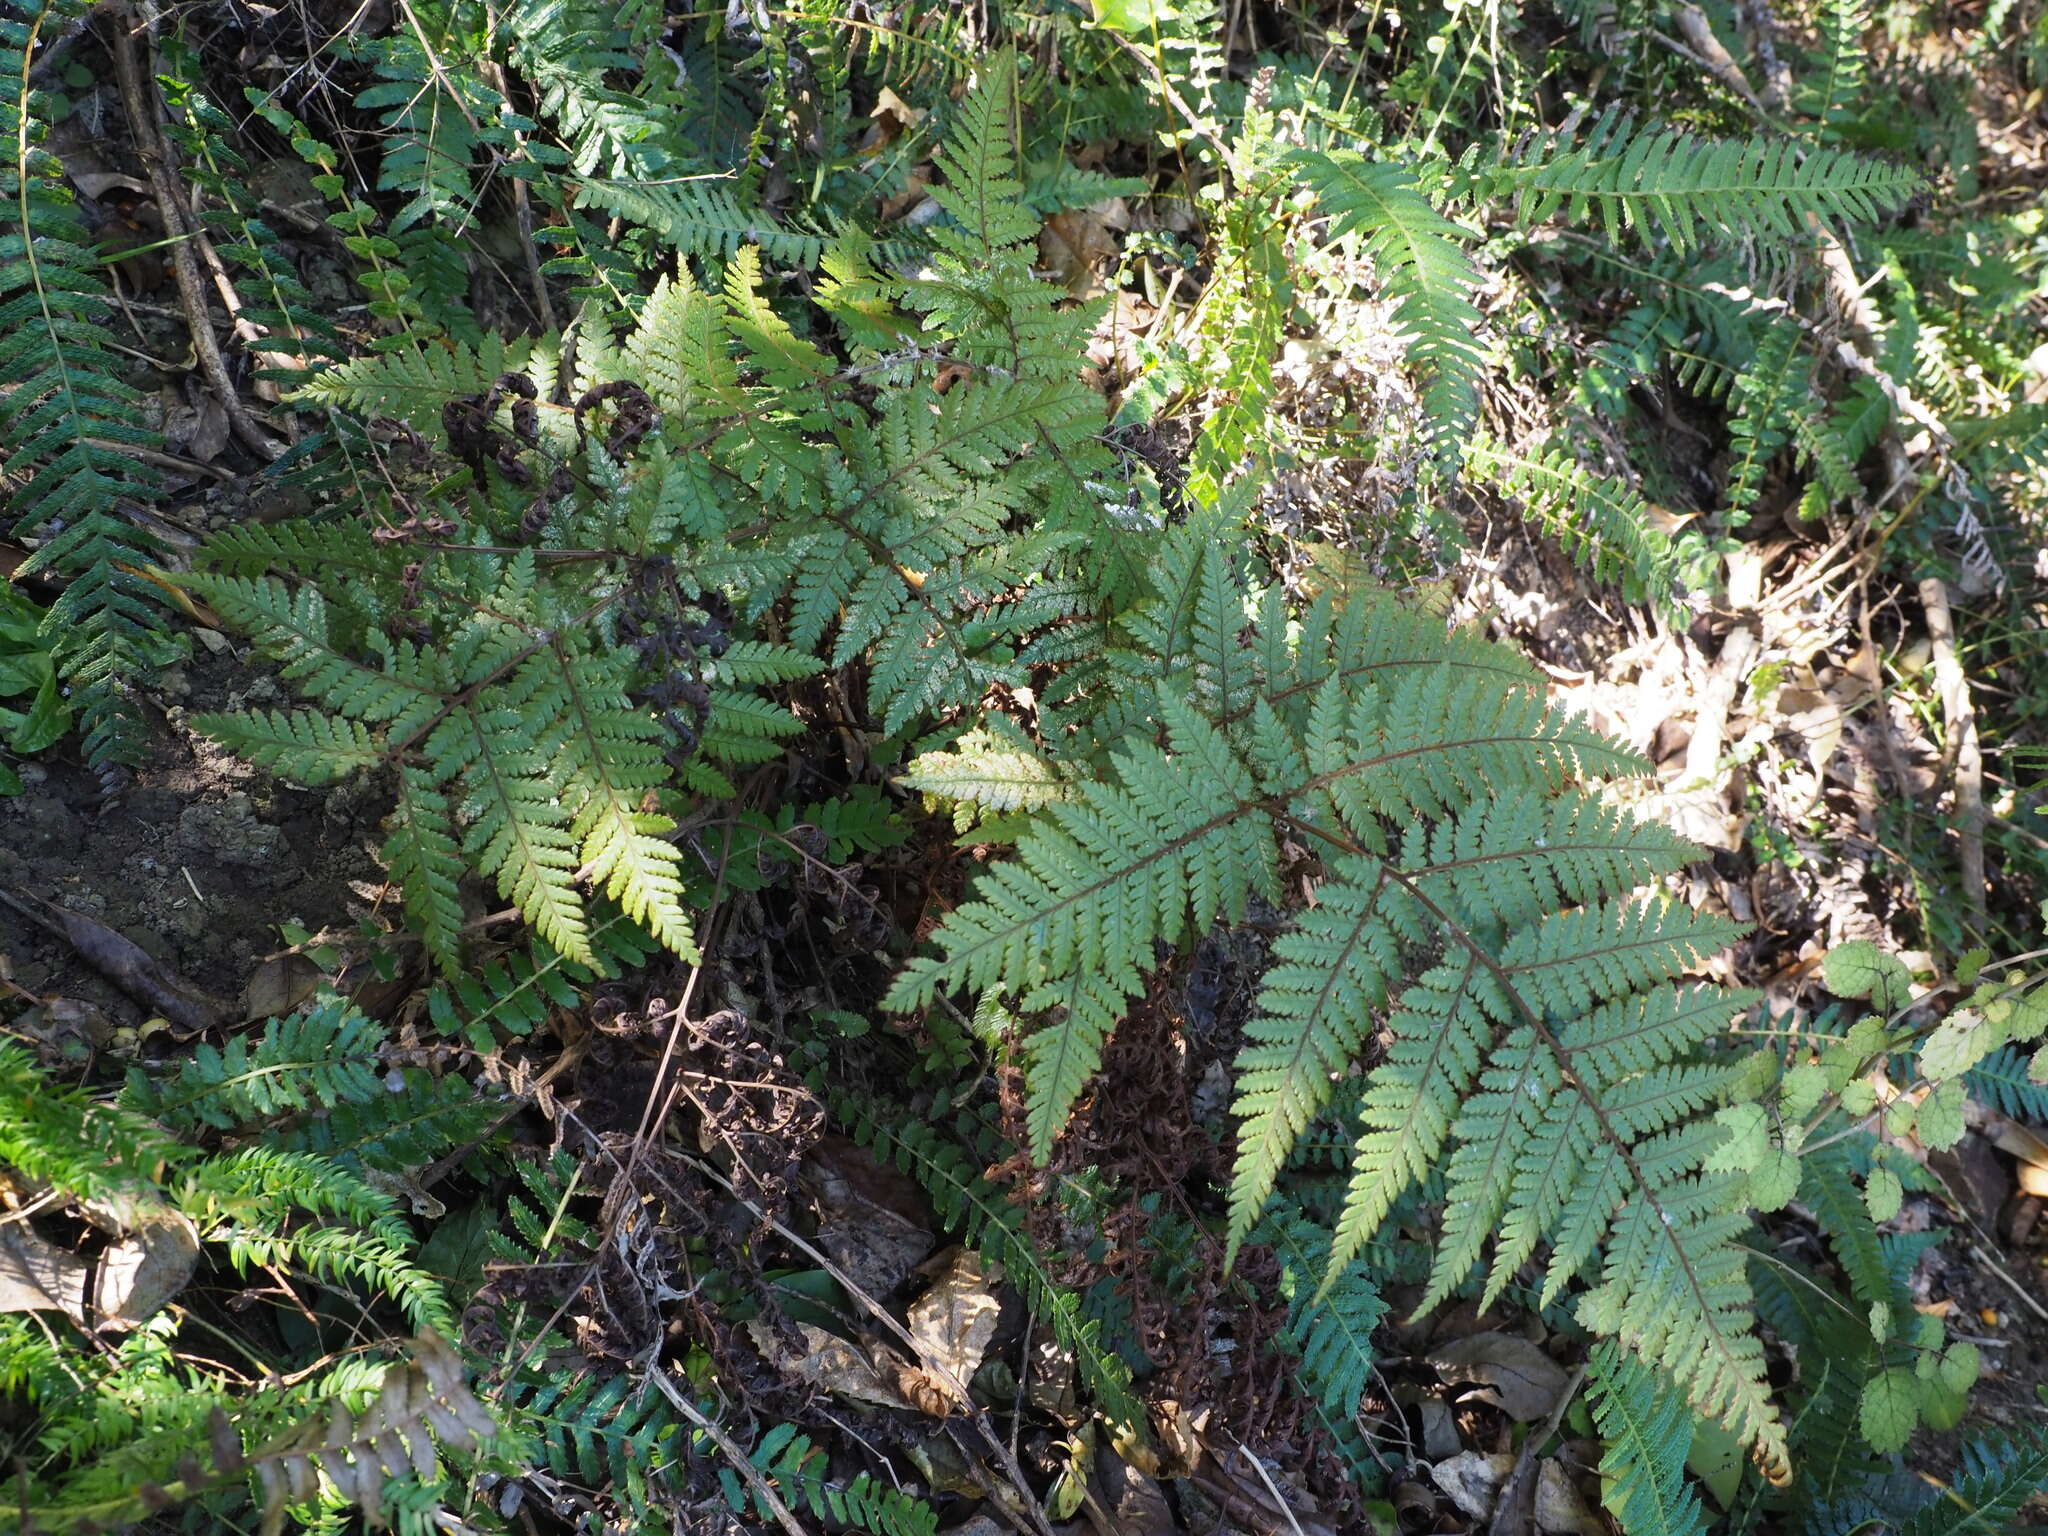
(1469, 891)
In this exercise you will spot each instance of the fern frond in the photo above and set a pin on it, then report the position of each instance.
(1999, 1474)
(416, 381)
(326, 1057)
(1329, 1326)
(423, 1408)
(802, 1471)
(1470, 902)
(1767, 395)
(702, 216)
(1647, 1434)
(1601, 523)
(66, 414)
(1423, 262)
(1665, 182)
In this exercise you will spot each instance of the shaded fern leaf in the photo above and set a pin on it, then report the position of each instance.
(1999, 1474)
(788, 1459)
(1647, 1434)
(66, 415)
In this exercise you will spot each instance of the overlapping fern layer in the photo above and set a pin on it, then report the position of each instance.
(1469, 888)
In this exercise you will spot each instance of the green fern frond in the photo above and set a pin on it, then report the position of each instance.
(789, 1461)
(59, 1136)
(1329, 1326)
(1648, 1434)
(1470, 902)
(1999, 1474)
(1601, 523)
(1665, 182)
(326, 1057)
(66, 415)
(414, 382)
(1838, 73)
(1423, 262)
(1767, 395)
(702, 216)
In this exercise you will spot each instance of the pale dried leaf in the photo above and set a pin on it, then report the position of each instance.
(953, 1322)
(829, 1362)
(1517, 1376)
(140, 1274)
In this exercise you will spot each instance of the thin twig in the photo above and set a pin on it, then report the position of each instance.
(1959, 726)
(728, 1448)
(136, 99)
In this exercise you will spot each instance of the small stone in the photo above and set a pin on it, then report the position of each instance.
(214, 641)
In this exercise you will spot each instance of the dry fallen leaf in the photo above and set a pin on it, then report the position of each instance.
(140, 1274)
(1472, 1481)
(37, 1276)
(279, 985)
(1516, 1376)
(953, 1322)
(828, 1361)
(1560, 1508)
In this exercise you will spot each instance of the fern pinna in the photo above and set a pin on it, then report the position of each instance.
(1472, 904)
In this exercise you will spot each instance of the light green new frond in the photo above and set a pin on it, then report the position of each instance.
(1423, 262)
(978, 162)
(517, 831)
(1662, 181)
(416, 381)
(605, 757)
(680, 353)
(1600, 522)
(1647, 1435)
(985, 770)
